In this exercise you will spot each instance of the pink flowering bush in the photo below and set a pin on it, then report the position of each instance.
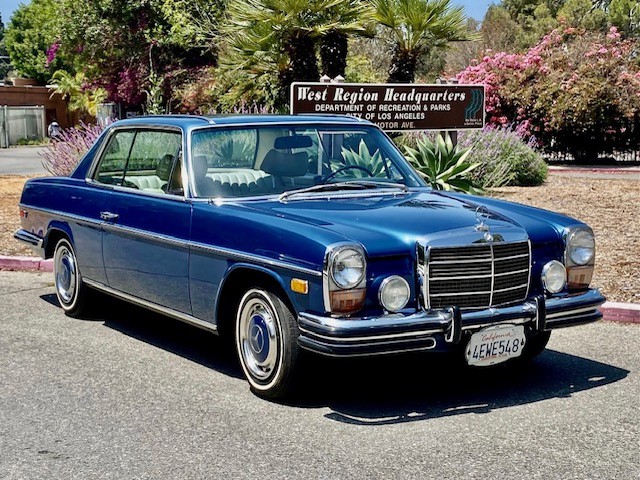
(575, 92)
(63, 153)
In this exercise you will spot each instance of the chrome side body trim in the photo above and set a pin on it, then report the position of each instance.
(253, 258)
(152, 306)
(177, 242)
(154, 237)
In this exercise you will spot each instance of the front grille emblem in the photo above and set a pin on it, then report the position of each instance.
(482, 214)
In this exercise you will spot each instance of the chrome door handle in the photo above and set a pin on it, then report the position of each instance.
(108, 216)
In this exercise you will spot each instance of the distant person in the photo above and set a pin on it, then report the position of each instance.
(54, 130)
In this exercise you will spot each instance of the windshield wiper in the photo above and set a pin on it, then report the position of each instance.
(349, 185)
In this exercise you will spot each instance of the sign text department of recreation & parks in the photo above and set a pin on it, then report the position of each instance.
(395, 107)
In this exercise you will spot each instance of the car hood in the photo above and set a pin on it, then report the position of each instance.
(387, 224)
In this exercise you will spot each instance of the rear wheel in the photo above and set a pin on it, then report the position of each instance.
(266, 336)
(70, 289)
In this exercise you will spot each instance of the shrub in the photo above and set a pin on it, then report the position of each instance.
(443, 165)
(505, 158)
(63, 153)
(576, 91)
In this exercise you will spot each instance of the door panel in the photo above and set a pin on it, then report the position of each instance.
(145, 249)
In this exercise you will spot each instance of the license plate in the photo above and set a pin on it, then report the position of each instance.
(496, 344)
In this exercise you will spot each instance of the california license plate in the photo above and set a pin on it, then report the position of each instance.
(496, 344)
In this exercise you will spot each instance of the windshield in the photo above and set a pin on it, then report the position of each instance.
(272, 160)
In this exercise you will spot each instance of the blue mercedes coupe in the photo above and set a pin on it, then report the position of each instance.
(305, 233)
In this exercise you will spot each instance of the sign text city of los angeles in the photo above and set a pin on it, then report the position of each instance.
(395, 107)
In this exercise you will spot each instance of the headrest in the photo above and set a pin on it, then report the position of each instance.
(200, 166)
(296, 141)
(283, 164)
(163, 170)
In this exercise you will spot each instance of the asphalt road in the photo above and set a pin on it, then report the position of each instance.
(21, 161)
(129, 394)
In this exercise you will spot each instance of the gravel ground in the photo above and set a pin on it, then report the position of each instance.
(610, 206)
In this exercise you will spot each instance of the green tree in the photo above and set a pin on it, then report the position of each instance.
(582, 14)
(348, 17)
(625, 14)
(499, 31)
(275, 41)
(5, 65)
(115, 42)
(33, 29)
(414, 28)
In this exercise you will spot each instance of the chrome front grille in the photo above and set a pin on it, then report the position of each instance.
(478, 276)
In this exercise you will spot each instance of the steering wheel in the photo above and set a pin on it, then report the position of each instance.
(342, 169)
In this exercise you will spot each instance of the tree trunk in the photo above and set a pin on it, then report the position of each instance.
(302, 57)
(403, 67)
(303, 66)
(333, 53)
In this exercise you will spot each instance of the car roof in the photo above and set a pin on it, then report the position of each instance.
(190, 121)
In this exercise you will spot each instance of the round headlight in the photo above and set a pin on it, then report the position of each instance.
(348, 267)
(581, 246)
(394, 293)
(554, 276)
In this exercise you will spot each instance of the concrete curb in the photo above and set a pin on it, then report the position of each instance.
(621, 312)
(25, 264)
(612, 311)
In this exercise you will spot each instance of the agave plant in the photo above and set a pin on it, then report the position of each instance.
(362, 158)
(443, 165)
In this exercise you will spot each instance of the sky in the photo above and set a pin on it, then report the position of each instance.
(473, 8)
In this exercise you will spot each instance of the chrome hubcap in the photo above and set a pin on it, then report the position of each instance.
(258, 340)
(66, 275)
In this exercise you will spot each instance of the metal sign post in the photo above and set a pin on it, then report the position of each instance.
(395, 107)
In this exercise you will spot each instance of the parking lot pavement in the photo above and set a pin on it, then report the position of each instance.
(21, 161)
(130, 394)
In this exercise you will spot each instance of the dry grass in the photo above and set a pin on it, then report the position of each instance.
(10, 190)
(610, 207)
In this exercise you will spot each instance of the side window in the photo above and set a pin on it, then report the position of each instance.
(114, 160)
(151, 162)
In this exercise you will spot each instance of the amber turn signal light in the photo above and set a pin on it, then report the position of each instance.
(347, 301)
(299, 286)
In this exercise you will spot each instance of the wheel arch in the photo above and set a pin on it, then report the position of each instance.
(55, 232)
(237, 280)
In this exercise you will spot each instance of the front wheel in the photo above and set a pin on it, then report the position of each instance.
(267, 343)
(70, 289)
(536, 343)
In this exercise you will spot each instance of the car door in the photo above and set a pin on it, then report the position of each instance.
(147, 223)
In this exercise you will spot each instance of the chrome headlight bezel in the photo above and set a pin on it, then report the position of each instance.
(386, 284)
(574, 239)
(544, 276)
(331, 287)
(342, 254)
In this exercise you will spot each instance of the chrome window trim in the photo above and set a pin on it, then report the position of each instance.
(91, 171)
(153, 306)
(118, 188)
(174, 241)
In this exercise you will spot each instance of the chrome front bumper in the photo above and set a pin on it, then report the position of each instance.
(439, 329)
